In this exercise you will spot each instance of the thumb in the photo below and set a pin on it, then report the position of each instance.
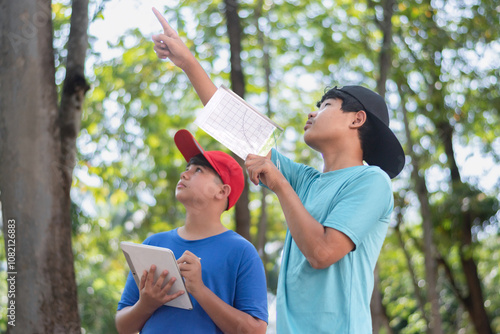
(143, 280)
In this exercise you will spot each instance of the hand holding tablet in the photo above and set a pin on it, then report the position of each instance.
(141, 257)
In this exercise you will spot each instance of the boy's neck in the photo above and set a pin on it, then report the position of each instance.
(332, 164)
(340, 159)
(200, 227)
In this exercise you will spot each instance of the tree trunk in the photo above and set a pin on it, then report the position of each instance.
(378, 310)
(242, 212)
(474, 301)
(416, 289)
(36, 168)
(261, 239)
(431, 273)
(385, 56)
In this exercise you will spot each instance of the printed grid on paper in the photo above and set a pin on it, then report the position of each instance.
(236, 126)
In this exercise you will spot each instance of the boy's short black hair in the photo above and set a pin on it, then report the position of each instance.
(350, 104)
(200, 160)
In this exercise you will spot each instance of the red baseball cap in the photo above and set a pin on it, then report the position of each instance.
(226, 166)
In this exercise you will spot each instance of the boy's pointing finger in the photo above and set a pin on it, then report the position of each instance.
(166, 27)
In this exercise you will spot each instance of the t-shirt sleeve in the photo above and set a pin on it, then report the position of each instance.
(363, 203)
(295, 173)
(130, 294)
(251, 288)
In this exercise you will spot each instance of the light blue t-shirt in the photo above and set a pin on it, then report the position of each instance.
(231, 268)
(357, 201)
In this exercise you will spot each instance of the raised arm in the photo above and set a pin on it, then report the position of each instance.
(169, 45)
(322, 246)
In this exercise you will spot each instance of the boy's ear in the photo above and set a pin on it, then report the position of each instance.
(224, 191)
(359, 119)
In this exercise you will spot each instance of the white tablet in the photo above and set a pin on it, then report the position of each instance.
(140, 257)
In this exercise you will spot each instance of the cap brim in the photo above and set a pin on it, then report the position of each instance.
(190, 147)
(385, 151)
(186, 143)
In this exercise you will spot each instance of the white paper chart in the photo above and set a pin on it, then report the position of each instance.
(237, 125)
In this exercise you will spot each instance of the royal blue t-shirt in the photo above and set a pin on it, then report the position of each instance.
(231, 268)
(358, 202)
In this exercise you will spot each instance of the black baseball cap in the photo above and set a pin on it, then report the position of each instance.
(384, 150)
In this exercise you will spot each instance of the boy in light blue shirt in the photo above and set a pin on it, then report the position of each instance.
(337, 219)
(335, 299)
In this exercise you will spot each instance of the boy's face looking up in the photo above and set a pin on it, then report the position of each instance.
(198, 184)
(327, 124)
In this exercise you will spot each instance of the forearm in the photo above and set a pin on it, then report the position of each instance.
(322, 246)
(131, 319)
(226, 317)
(200, 80)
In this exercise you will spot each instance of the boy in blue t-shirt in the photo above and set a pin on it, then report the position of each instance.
(337, 219)
(222, 271)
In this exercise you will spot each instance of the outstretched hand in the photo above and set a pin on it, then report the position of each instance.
(169, 45)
